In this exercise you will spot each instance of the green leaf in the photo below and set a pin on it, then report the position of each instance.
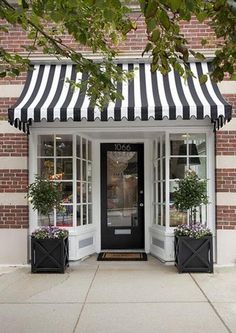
(155, 35)
(147, 48)
(199, 56)
(164, 19)
(151, 25)
(175, 4)
(151, 8)
(203, 78)
(3, 74)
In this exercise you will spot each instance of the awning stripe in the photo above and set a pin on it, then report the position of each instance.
(48, 95)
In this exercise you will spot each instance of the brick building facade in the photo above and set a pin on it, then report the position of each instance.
(16, 159)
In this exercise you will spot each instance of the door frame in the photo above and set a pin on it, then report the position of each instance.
(106, 233)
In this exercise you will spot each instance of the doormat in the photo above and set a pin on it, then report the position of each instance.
(122, 256)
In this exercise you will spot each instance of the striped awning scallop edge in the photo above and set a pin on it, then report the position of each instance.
(47, 95)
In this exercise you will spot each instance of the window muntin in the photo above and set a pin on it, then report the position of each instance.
(159, 185)
(67, 160)
(187, 151)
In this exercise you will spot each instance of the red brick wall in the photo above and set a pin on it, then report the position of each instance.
(226, 143)
(13, 144)
(13, 180)
(6, 103)
(226, 180)
(17, 144)
(14, 217)
(226, 217)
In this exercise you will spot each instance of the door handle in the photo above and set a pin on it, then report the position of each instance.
(141, 204)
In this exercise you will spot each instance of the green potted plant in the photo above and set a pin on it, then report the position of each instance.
(193, 241)
(49, 244)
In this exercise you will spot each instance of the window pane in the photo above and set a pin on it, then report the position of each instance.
(176, 217)
(164, 168)
(64, 168)
(64, 145)
(66, 189)
(159, 192)
(89, 192)
(84, 148)
(84, 171)
(159, 214)
(200, 168)
(78, 146)
(154, 193)
(46, 167)
(65, 218)
(178, 144)
(79, 192)
(78, 163)
(90, 221)
(154, 214)
(45, 145)
(78, 216)
(178, 166)
(197, 144)
(89, 171)
(158, 149)
(43, 219)
(84, 192)
(84, 214)
(90, 150)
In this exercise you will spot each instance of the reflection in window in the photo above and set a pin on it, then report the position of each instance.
(56, 161)
(122, 185)
(188, 151)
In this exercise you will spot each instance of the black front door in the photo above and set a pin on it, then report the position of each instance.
(122, 196)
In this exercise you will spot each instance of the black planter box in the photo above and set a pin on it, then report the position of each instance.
(193, 255)
(49, 255)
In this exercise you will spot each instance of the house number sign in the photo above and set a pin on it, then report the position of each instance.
(122, 147)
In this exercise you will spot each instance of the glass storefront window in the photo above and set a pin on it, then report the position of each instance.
(188, 151)
(159, 185)
(72, 168)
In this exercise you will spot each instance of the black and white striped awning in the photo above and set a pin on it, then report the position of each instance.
(47, 95)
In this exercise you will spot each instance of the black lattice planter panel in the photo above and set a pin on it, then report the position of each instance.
(193, 255)
(49, 255)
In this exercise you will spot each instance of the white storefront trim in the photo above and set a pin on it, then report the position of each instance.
(85, 240)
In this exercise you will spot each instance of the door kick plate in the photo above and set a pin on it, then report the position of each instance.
(122, 232)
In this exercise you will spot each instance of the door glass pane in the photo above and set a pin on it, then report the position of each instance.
(122, 189)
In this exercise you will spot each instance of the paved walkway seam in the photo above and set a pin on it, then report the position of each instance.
(211, 304)
(90, 286)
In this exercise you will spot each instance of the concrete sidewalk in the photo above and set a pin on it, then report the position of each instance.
(117, 297)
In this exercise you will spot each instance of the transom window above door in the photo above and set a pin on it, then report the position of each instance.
(67, 160)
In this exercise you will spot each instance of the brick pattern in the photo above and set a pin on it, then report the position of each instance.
(226, 217)
(13, 180)
(14, 217)
(226, 180)
(135, 42)
(6, 103)
(13, 144)
(231, 99)
(226, 143)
